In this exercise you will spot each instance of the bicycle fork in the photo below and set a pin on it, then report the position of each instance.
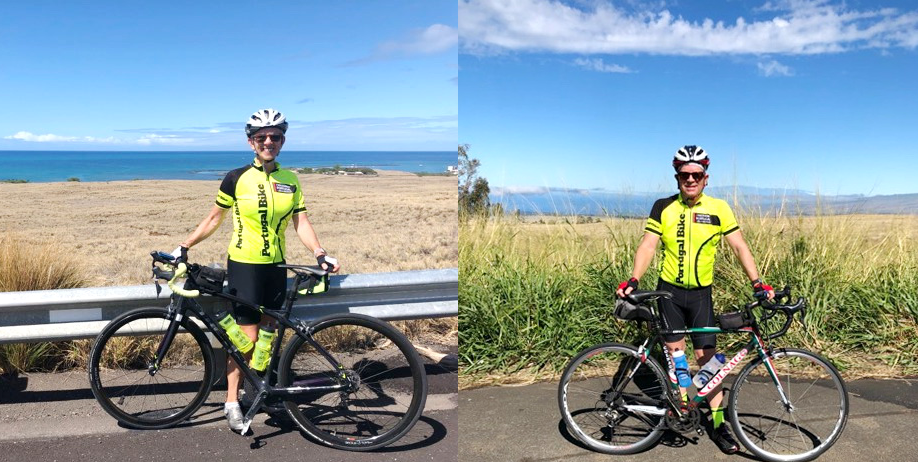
(175, 320)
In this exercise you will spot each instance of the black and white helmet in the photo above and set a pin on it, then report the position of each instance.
(691, 154)
(265, 118)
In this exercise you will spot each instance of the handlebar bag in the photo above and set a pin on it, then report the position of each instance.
(210, 278)
(734, 320)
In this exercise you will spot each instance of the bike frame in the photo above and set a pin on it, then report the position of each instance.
(180, 306)
(674, 398)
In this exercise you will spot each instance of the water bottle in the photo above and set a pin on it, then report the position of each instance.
(682, 370)
(262, 353)
(709, 370)
(235, 334)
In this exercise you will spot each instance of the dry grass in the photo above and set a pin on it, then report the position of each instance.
(46, 265)
(392, 222)
(100, 234)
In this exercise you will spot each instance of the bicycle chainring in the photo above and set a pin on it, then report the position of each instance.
(687, 421)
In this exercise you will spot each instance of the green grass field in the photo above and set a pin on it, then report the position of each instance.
(534, 291)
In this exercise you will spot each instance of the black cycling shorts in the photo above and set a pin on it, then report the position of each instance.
(261, 284)
(693, 305)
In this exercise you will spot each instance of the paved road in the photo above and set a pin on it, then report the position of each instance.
(522, 424)
(53, 417)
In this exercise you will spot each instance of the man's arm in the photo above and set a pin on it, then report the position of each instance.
(642, 258)
(744, 255)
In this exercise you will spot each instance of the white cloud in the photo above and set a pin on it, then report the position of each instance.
(597, 64)
(795, 27)
(519, 190)
(435, 39)
(773, 68)
(152, 138)
(146, 140)
(51, 138)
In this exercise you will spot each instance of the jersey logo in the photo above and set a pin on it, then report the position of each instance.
(284, 188)
(706, 219)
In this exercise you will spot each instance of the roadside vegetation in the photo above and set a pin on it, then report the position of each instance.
(335, 170)
(534, 291)
(35, 267)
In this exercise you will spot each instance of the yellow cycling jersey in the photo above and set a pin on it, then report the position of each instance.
(262, 206)
(690, 236)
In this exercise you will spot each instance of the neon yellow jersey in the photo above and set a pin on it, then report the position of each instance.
(262, 206)
(690, 236)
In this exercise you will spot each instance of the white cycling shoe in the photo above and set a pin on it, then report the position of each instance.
(234, 417)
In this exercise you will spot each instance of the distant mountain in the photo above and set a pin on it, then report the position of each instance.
(597, 202)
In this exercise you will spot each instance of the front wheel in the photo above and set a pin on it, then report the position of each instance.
(613, 400)
(380, 382)
(805, 425)
(143, 391)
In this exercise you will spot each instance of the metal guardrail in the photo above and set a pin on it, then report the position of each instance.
(69, 314)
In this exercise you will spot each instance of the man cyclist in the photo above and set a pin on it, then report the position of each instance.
(690, 225)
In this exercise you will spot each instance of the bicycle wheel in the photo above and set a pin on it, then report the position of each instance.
(385, 383)
(611, 401)
(119, 370)
(802, 431)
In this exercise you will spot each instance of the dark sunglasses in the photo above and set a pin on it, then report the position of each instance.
(684, 176)
(262, 138)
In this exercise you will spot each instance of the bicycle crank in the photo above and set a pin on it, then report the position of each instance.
(684, 422)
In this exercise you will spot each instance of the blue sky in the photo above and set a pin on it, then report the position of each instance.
(349, 75)
(812, 95)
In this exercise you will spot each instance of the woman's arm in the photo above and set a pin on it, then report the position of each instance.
(308, 237)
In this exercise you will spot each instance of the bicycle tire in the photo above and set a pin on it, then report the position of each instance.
(816, 392)
(599, 404)
(382, 405)
(119, 376)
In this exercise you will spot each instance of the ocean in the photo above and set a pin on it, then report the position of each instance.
(48, 166)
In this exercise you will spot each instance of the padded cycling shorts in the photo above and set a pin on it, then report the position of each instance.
(688, 308)
(262, 284)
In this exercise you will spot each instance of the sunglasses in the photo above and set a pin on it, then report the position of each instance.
(684, 176)
(262, 138)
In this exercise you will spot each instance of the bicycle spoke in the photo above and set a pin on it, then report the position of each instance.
(815, 417)
(597, 392)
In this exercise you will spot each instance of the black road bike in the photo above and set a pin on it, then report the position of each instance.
(787, 404)
(349, 381)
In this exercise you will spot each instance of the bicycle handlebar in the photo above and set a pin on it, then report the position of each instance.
(780, 304)
(180, 269)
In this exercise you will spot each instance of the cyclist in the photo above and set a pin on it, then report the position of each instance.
(264, 198)
(690, 225)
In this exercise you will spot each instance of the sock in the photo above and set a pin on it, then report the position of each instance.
(717, 413)
(684, 397)
(228, 406)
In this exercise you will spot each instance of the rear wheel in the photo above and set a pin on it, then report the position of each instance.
(612, 401)
(804, 429)
(381, 383)
(128, 385)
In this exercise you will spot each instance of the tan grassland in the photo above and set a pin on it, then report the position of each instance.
(395, 221)
(392, 222)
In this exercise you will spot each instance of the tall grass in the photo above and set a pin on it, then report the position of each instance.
(533, 294)
(25, 266)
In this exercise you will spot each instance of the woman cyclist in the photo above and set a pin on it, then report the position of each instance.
(690, 225)
(264, 199)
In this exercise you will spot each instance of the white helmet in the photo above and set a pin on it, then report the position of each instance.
(691, 154)
(265, 118)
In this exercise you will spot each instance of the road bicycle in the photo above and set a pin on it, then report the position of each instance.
(785, 405)
(349, 381)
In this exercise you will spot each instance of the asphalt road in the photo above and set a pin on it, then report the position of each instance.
(523, 424)
(54, 417)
